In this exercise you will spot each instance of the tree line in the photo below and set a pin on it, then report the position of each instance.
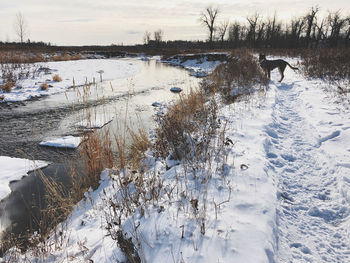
(309, 30)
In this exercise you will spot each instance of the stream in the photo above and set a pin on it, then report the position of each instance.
(24, 125)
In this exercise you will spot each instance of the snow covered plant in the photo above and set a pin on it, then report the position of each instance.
(12, 73)
(241, 75)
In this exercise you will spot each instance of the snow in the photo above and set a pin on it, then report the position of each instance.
(13, 169)
(81, 71)
(63, 142)
(197, 67)
(311, 164)
(278, 190)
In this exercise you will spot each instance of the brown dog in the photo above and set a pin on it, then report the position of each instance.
(268, 65)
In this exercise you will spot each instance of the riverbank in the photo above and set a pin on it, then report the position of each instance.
(28, 124)
(263, 179)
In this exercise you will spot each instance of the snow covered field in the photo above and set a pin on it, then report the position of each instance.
(278, 191)
(82, 71)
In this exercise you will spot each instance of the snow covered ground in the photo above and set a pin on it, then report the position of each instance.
(308, 152)
(14, 169)
(82, 71)
(277, 191)
(199, 65)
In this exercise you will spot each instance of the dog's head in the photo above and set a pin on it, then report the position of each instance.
(262, 57)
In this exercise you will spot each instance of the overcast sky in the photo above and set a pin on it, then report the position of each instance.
(79, 22)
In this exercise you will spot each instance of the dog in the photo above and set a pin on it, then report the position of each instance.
(268, 65)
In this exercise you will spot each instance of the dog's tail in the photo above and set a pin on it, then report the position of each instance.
(294, 68)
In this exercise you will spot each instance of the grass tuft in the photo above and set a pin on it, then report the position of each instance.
(57, 78)
(44, 86)
(7, 86)
(241, 75)
(139, 145)
(179, 132)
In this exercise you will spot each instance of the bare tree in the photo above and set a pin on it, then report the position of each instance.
(235, 33)
(158, 36)
(310, 18)
(21, 27)
(207, 18)
(336, 24)
(222, 28)
(347, 36)
(147, 37)
(253, 22)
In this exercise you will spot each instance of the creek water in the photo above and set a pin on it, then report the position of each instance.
(23, 126)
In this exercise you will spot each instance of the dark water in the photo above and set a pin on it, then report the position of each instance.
(23, 126)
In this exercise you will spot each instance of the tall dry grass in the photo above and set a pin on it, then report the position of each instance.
(179, 131)
(241, 75)
(136, 150)
(332, 64)
(7, 86)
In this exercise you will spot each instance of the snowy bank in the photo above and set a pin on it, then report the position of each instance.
(13, 169)
(275, 188)
(199, 65)
(239, 205)
(76, 72)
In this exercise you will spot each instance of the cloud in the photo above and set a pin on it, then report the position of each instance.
(133, 32)
(126, 20)
(76, 20)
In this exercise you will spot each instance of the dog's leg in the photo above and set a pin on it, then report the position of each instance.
(281, 69)
(282, 75)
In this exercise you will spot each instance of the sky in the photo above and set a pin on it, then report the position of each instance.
(106, 22)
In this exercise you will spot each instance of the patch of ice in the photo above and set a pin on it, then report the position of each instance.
(13, 169)
(63, 142)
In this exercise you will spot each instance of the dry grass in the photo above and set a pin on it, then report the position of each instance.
(97, 154)
(139, 145)
(44, 86)
(240, 76)
(332, 64)
(7, 86)
(66, 57)
(57, 78)
(24, 57)
(179, 130)
(20, 57)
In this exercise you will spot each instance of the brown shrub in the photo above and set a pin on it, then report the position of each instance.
(241, 75)
(180, 130)
(7, 86)
(97, 154)
(44, 86)
(57, 78)
(139, 145)
(332, 64)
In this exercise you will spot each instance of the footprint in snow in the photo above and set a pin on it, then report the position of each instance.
(288, 157)
(302, 248)
(328, 137)
(272, 133)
